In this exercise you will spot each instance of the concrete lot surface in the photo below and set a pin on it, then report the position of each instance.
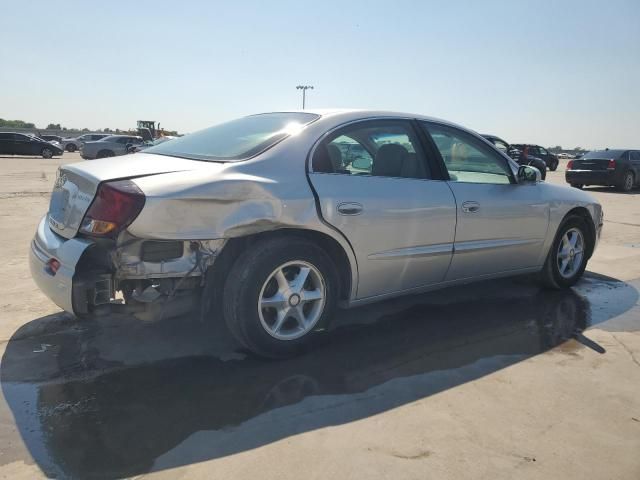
(501, 380)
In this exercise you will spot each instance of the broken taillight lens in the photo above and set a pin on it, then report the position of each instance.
(114, 207)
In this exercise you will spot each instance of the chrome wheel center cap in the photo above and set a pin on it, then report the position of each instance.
(294, 300)
(572, 253)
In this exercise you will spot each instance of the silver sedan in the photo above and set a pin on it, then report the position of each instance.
(273, 220)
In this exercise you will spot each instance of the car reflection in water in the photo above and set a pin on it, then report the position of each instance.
(91, 419)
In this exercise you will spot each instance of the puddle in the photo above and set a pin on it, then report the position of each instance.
(112, 400)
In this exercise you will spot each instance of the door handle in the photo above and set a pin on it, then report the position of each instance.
(350, 208)
(470, 207)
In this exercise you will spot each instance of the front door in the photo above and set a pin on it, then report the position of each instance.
(501, 225)
(374, 185)
(24, 145)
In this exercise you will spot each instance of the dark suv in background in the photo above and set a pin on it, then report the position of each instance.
(539, 152)
(617, 168)
(516, 155)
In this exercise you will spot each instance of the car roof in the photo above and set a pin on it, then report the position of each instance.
(343, 115)
(609, 151)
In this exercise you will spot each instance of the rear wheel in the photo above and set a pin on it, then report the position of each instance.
(554, 166)
(627, 182)
(71, 148)
(567, 258)
(47, 153)
(279, 295)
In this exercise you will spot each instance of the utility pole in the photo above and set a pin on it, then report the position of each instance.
(304, 89)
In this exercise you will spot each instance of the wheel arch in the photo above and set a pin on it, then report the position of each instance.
(234, 247)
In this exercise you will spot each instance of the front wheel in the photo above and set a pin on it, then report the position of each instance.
(279, 295)
(71, 148)
(554, 166)
(567, 258)
(47, 153)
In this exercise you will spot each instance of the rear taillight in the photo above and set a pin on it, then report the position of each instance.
(611, 165)
(569, 164)
(114, 207)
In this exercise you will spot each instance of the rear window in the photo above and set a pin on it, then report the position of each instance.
(236, 140)
(604, 155)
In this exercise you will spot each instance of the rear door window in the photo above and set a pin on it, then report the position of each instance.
(378, 148)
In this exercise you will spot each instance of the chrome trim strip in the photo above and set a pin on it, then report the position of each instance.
(483, 245)
(414, 252)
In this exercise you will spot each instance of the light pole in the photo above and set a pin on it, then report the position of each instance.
(304, 89)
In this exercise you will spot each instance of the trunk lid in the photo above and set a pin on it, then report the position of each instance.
(76, 184)
(591, 164)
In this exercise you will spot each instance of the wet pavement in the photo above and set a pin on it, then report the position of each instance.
(116, 397)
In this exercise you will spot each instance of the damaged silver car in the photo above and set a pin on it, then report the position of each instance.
(274, 220)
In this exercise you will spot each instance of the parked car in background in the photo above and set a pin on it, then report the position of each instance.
(263, 218)
(21, 144)
(73, 144)
(145, 145)
(618, 168)
(539, 152)
(110, 146)
(516, 155)
(51, 138)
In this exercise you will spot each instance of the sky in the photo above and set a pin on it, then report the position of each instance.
(548, 72)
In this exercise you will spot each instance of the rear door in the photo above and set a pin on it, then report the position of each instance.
(375, 186)
(501, 225)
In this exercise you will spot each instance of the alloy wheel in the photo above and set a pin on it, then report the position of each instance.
(570, 253)
(292, 300)
(628, 181)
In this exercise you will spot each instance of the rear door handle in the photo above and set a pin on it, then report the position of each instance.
(470, 207)
(350, 208)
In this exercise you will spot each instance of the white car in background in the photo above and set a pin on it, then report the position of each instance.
(73, 144)
(109, 146)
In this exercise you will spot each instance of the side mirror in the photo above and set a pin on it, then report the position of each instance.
(529, 174)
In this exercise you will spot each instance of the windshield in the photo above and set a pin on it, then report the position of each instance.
(237, 139)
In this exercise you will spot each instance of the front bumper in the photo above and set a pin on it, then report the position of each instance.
(47, 245)
(591, 177)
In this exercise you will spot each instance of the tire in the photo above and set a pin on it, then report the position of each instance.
(554, 166)
(579, 186)
(551, 275)
(71, 148)
(628, 181)
(253, 277)
(46, 153)
(105, 154)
